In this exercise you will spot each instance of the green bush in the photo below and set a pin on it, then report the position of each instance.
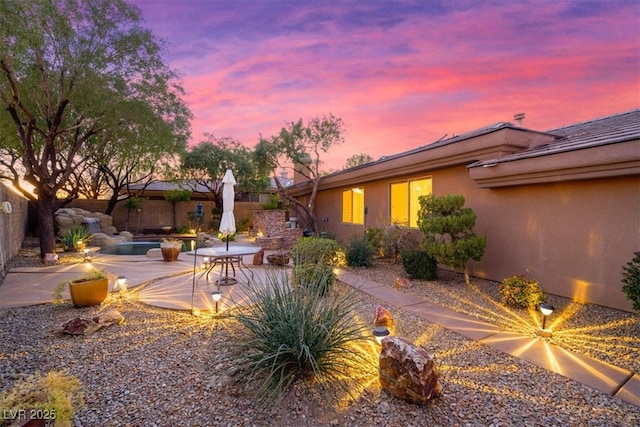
(419, 264)
(360, 251)
(274, 203)
(631, 280)
(317, 250)
(520, 292)
(75, 239)
(242, 224)
(291, 335)
(310, 276)
(374, 237)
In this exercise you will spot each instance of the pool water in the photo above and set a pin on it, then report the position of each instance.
(138, 248)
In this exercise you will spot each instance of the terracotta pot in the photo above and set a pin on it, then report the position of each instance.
(170, 251)
(86, 293)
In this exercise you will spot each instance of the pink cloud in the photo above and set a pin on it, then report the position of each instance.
(399, 74)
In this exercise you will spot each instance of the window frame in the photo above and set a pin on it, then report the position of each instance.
(407, 184)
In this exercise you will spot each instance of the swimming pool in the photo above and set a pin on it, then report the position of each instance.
(139, 248)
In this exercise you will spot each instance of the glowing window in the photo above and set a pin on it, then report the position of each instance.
(404, 201)
(353, 206)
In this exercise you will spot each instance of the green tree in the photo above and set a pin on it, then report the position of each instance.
(77, 78)
(300, 146)
(448, 231)
(208, 161)
(358, 160)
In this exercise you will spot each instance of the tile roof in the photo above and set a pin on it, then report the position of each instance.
(597, 132)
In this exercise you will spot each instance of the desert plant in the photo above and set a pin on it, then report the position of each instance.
(274, 203)
(360, 251)
(631, 280)
(317, 250)
(314, 276)
(448, 231)
(53, 398)
(374, 237)
(292, 335)
(520, 292)
(243, 224)
(75, 238)
(418, 264)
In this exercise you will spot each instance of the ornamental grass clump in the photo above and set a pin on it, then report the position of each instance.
(319, 277)
(53, 398)
(520, 292)
(294, 335)
(360, 251)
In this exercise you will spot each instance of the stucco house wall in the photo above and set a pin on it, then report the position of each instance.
(570, 219)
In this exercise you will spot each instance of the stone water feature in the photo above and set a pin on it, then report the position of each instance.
(98, 224)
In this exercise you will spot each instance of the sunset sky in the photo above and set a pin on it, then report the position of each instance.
(400, 74)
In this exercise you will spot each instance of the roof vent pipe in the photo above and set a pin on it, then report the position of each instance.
(518, 118)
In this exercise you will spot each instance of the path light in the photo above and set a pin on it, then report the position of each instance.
(87, 258)
(216, 294)
(546, 310)
(122, 283)
(379, 332)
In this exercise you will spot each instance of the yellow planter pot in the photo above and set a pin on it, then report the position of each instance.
(86, 293)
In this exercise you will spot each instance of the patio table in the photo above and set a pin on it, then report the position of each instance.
(225, 257)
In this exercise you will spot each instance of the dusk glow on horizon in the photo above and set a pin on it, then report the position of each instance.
(400, 74)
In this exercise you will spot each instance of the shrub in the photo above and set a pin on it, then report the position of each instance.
(317, 250)
(292, 335)
(75, 239)
(374, 237)
(419, 264)
(274, 203)
(360, 251)
(243, 224)
(518, 291)
(311, 276)
(448, 231)
(55, 395)
(631, 280)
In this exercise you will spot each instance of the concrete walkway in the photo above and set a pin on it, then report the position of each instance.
(174, 286)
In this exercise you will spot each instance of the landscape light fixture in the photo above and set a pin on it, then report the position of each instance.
(122, 283)
(546, 310)
(379, 332)
(87, 258)
(216, 294)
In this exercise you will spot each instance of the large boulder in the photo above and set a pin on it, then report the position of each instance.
(408, 372)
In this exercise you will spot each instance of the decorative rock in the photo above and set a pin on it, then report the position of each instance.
(402, 282)
(79, 326)
(108, 317)
(408, 372)
(154, 253)
(278, 259)
(83, 326)
(258, 258)
(382, 317)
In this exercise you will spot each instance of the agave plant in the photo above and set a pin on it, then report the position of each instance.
(75, 239)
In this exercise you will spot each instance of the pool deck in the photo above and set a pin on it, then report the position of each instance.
(173, 285)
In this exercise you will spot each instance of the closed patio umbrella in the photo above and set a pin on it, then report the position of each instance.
(228, 221)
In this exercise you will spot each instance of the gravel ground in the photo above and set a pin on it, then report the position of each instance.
(168, 368)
